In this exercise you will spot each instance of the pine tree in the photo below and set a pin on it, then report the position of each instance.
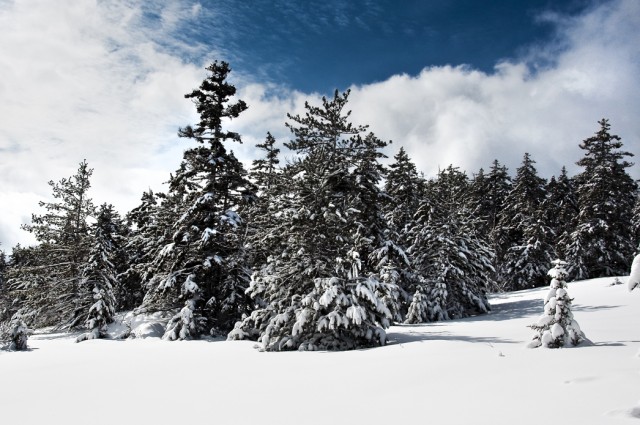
(635, 223)
(48, 279)
(204, 267)
(497, 185)
(146, 238)
(529, 248)
(100, 277)
(602, 244)
(556, 327)
(405, 189)
(3, 268)
(19, 336)
(328, 288)
(561, 208)
(451, 258)
(262, 232)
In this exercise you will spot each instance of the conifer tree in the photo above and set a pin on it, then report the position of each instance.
(262, 232)
(523, 223)
(49, 276)
(204, 267)
(327, 288)
(19, 336)
(146, 238)
(3, 268)
(405, 189)
(497, 188)
(561, 208)
(556, 327)
(635, 223)
(403, 185)
(492, 198)
(452, 260)
(602, 243)
(100, 276)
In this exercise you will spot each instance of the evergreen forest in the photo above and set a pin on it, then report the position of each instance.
(322, 251)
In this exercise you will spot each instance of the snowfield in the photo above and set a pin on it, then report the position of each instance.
(472, 371)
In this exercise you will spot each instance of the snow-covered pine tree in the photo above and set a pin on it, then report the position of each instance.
(204, 267)
(19, 336)
(328, 288)
(522, 219)
(405, 189)
(263, 234)
(452, 259)
(47, 280)
(561, 208)
(100, 276)
(3, 268)
(145, 239)
(556, 327)
(602, 243)
(635, 223)
(487, 198)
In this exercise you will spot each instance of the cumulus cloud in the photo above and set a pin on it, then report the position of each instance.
(105, 81)
(545, 103)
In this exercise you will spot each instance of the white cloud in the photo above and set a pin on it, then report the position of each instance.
(85, 80)
(102, 81)
(459, 116)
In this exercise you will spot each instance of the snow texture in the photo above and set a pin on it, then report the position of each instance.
(634, 278)
(443, 362)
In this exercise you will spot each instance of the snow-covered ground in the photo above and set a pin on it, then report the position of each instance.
(472, 371)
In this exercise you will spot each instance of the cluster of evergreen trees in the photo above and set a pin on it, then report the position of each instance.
(323, 252)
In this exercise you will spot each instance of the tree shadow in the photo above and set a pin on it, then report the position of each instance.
(612, 343)
(7, 348)
(590, 308)
(513, 310)
(430, 335)
(56, 335)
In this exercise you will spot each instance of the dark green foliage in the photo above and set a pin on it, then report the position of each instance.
(602, 243)
(561, 208)
(451, 258)
(523, 225)
(100, 275)
(330, 285)
(203, 268)
(45, 281)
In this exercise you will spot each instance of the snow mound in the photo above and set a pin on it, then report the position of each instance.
(634, 277)
(130, 325)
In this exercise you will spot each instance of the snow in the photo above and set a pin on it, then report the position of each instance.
(476, 370)
(634, 277)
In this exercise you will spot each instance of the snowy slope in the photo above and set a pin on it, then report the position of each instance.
(475, 370)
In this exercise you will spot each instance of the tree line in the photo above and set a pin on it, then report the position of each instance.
(324, 251)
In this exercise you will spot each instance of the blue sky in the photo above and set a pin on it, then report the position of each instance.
(321, 45)
(460, 82)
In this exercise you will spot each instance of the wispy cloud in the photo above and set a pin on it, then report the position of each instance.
(92, 80)
(105, 81)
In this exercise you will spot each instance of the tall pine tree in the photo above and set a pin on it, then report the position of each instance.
(530, 239)
(204, 267)
(602, 243)
(451, 258)
(329, 287)
(49, 276)
(100, 274)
